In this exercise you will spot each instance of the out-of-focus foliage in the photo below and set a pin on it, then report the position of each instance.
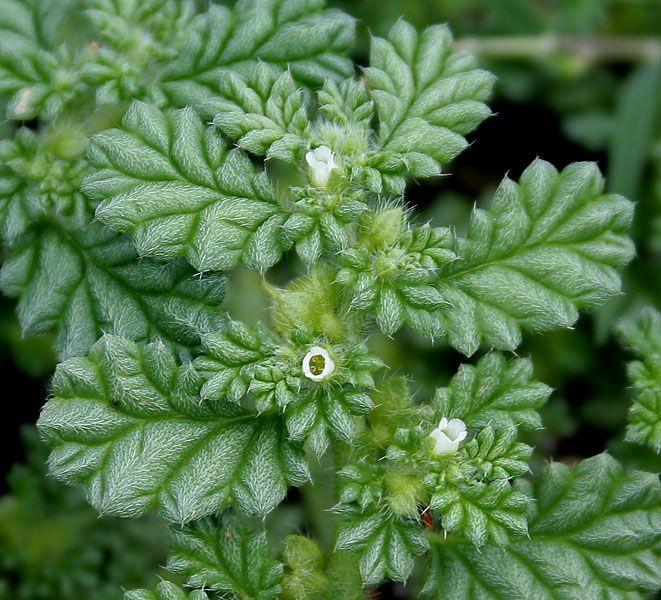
(642, 337)
(54, 546)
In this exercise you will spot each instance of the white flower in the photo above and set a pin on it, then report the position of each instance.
(322, 162)
(317, 364)
(447, 436)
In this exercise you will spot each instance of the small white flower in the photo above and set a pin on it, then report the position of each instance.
(322, 162)
(447, 436)
(317, 364)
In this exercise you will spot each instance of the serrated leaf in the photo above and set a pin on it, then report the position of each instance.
(348, 103)
(324, 414)
(221, 555)
(544, 249)
(182, 192)
(252, 366)
(495, 391)
(299, 35)
(482, 512)
(642, 336)
(84, 283)
(35, 76)
(137, 37)
(387, 545)
(128, 424)
(260, 112)
(17, 205)
(595, 534)
(427, 97)
(394, 278)
(231, 359)
(151, 26)
(40, 177)
(496, 453)
(165, 590)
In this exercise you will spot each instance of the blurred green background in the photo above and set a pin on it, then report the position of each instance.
(578, 80)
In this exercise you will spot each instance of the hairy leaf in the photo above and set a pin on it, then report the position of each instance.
(545, 248)
(165, 590)
(298, 35)
(642, 336)
(232, 358)
(40, 176)
(123, 23)
(387, 545)
(495, 391)
(595, 533)
(82, 284)
(177, 186)
(33, 74)
(19, 201)
(138, 37)
(128, 424)
(427, 98)
(482, 512)
(252, 366)
(348, 103)
(263, 113)
(221, 555)
(395, 279)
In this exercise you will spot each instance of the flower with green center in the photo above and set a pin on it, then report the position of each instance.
(317, 364)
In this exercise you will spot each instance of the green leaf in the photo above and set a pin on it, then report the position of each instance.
(395, 278)
(299, 36)
(633, 130)
(595, 534)
(84, 283)
(387, 545)
(264, 114)
(222, 555)
(252, 367)
(154, 26)
(348, 103)
(495, 391)
(178, 188)
(40, 176)
(545, 248)
(19, 203)
(427, 97)
(138, 37)
(127, 423)
(232, 359)
(642, 336)
(496, 454)
(165, 590)
(34, 74)
(482, 512)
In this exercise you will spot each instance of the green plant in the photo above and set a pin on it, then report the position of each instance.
(54, 545)
(223, 139)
